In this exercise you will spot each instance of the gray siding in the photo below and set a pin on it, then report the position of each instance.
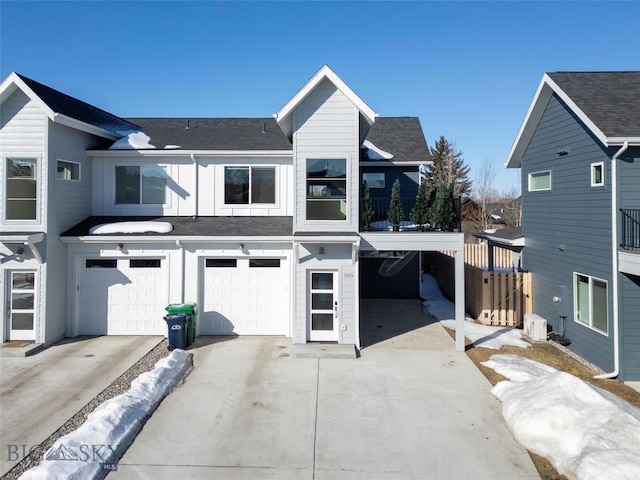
(630, 327)
(326, 125)
(567, 229)
(629, 174)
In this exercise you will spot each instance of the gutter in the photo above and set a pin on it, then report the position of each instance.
(197, 184)
(614, 256)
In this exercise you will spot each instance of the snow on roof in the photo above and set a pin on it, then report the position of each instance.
(586, 432)
(132, 141)
(375, 153)
(131, 227)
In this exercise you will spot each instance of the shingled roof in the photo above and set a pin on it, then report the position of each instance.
(77, 109)
(610, 99)
(401, 136)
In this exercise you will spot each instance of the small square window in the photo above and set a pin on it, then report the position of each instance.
(68, 170)
(597, 174)
(374, 180)
(539, 181)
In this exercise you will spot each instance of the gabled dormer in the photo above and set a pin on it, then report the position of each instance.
(326, 123)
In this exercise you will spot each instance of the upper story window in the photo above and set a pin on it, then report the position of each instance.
(248, 185)
(67, 170)
(327, 189)
(137, 185)
(374, 180)
(590, 302)
(21, 189)
(597, 174)
(539, 181)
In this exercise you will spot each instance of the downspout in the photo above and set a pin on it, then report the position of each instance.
(197, 183)
(614, 256)
(180, 245)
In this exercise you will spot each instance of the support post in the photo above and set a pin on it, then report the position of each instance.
(459, 299)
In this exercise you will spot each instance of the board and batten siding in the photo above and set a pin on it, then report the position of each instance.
(326, 125)
(568, 228)
(630, 327)
(23, 132)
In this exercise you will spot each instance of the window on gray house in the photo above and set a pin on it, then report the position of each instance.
(591, 302)
(539, 181)
(326, 189)
(137, 185)
(67, 170)
(249, 185)
(21, 189)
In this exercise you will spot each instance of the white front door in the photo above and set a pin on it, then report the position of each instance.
(21, 295)
(323, 306)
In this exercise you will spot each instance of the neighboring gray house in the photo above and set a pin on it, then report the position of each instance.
(256, 219)
(579, 154)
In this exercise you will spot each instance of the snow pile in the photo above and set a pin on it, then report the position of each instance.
(387, 225)
(375, 153)
(586, 432)
(108, 431)
(132, 227)
(485, 336)
(132, 141)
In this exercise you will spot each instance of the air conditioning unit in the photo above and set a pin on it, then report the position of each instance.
(535, 327)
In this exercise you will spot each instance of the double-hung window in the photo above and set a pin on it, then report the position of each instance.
(590, 302)
(249, 185)
(141, 185)
(21, 189)
(326, 189)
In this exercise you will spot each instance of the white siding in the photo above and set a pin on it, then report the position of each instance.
(326, 125)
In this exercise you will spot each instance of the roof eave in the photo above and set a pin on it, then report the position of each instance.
(169, 152)
(83, 126)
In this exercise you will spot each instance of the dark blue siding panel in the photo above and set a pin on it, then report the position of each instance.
(629, 172)
(408, 176)
(568, 228)
(630, 327)
(404, 284)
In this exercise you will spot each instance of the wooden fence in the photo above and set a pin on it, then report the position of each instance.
(477, 255)
(492, 298)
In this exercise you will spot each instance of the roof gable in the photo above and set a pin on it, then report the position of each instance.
(608, 103)
(66, 110)
(284, 115)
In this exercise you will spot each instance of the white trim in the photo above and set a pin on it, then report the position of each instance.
(58, 160)
(91, 239)
(84, 127)
(589, 323)
(392, 163)
(529, 189)
(40, 180)
(602, 182)
(189, 153)
(324, 72)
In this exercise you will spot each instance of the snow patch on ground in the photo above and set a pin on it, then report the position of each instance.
(132, 141)
(586, 432)
(485, 336)
(132, 227)
(110, 428)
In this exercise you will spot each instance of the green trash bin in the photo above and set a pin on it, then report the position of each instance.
(190, 309)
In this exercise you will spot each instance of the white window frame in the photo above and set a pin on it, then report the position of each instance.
(70, 162)
(593, 171)
(589, 321)
(347, 181)
(381, 183)
(141, 166)
(250, 202)
(38, 178)
(539, 189)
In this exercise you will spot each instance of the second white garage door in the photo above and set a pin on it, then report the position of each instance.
(245, 296)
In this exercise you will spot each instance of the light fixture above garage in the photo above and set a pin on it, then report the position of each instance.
(321, 251)
(120, 247)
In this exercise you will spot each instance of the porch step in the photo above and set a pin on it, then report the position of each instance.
(323, 350)
(9, 350)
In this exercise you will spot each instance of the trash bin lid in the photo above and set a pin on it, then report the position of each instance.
(181, 307)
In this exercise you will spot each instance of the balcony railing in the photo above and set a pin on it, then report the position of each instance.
(381, 223)
(630, 225)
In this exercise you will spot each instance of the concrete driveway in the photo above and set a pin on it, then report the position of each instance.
(41, 392)
(410, 407)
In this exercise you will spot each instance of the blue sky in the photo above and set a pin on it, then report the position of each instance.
(469, 70)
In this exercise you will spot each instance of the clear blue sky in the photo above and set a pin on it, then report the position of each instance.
(469, 70)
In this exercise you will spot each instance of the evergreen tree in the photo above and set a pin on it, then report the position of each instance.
(449, 168)
(442, 212)
(395, 214)
(420, 212)
(367, 206)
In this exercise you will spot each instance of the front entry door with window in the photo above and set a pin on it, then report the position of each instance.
(21, 305)
(323, 311)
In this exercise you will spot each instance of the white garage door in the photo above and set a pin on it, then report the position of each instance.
(122, 296)
(245, 296)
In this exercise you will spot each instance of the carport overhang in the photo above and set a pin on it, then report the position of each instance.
(426, 242)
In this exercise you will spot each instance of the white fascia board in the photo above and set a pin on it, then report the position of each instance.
(172, 239)
(324, 72)
(327, 239)
(391, 163)
(619, 141)
(14, 79)
(23, 239)
(84, 127)
(177, 152)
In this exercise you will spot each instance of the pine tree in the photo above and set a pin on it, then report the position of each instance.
(395, 214)
(449, 168)
(420, 212)
(442, 211)
(367, 206)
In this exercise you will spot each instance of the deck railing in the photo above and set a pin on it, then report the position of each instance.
(381, 207)
(630, 225)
